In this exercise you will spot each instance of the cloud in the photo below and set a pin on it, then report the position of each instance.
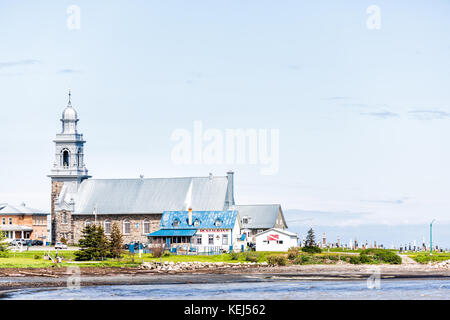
(298, 217)
(429, 114)
(337, 98)
(18, 63)
(64, 71)
(382, 114)
(387, 201)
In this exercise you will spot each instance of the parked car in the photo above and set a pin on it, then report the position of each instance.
(37, 243)
(18, 242)
(60, 245)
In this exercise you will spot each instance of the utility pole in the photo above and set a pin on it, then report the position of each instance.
(431, 237)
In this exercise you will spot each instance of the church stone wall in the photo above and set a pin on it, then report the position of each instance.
(56, 189)
(78, 222)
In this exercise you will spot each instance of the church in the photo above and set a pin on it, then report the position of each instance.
(136, 205)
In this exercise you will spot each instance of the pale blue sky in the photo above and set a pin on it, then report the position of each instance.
(363, 114)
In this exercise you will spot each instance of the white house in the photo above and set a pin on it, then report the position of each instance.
(275, 239)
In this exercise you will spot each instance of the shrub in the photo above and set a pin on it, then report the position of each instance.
(4, 254)
(277, 259)
(157, 251)
(302, 259)
(251, 256)
(37, 257)
(355, 260)
(333, 257)
(312, 249)
(166, 254)
(364, 258)
(234, 255)
(383, 255)
(293, 253)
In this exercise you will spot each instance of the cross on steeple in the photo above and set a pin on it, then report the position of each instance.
(69, 97)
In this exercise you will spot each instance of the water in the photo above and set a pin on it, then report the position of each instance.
(276, 290)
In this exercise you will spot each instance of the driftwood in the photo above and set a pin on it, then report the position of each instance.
(39, 274)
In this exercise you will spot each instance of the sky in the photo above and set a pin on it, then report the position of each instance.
(362, 113)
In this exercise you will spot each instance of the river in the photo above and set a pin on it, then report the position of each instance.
(274, 290)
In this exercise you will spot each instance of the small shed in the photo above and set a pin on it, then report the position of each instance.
(275, 239)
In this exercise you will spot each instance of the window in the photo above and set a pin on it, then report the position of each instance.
(66, 158)
(64, 218)
(176, 222)
(210, 239)
(3, 220)
(87, 223)
(10, 220)
(280, 241)
(198, 239)
(196, 223)
(146, 226)
(126, 226)
(245, 220)
(107, 226)
(225, 239)
(218, 223)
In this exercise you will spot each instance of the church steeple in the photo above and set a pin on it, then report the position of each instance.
(69, 118)
(69, 144)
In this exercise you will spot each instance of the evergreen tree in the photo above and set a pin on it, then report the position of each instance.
(94, 244)
(115, 242)
(310, 243)
(3, 243)
(310, 239)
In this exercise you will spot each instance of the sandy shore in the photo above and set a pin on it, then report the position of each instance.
(12, 278)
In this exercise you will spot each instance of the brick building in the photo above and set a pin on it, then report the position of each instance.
(21, 222)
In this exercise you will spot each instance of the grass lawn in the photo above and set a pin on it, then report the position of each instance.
(424, 257)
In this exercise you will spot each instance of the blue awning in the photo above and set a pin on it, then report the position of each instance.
(173, 233)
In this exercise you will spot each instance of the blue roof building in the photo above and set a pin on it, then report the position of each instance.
(204, 230)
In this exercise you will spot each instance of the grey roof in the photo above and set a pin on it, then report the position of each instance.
(130, 196)
(261, 216)
(18, 210)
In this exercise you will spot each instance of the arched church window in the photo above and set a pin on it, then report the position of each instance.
(107, 226)
(146, 226)
(64, 218)
(66, 158)
(87, 223)
(126, 226)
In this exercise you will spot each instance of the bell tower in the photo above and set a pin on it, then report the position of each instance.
(68, 169)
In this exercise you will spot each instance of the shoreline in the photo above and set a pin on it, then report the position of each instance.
(12, 279)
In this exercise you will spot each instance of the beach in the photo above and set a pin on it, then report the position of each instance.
(20, 278)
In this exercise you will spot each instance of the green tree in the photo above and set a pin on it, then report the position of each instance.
(3, 243)
(310, 239)
(115, 241)
(310, 243)
(94, 244)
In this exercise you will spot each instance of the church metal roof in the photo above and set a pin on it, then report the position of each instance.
(156, 195)
(260, 216)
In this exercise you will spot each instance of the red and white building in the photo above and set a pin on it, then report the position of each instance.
(275, 239)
